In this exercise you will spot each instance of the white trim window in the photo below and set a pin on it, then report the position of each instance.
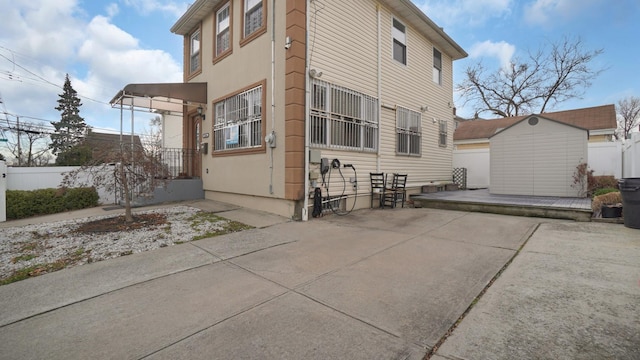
(238, 121)
(252, 16)
(437, 66)
(223, 31)
(399, 34)
(408, 132)
(443, 131)
(342, 118)
(194, 52)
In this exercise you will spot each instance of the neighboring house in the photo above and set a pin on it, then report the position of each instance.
(599, 120)
(471, 141)
(107, 147)
(290, 82)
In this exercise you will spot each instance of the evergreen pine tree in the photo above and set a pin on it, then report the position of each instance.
(71, 127)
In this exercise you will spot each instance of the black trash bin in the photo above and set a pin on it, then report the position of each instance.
(630, 192)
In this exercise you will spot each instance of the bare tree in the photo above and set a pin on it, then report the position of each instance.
(128, 171)
(628, 110)
(30, 145)
(542, 80)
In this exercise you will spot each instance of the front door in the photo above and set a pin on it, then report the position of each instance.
(192, 157)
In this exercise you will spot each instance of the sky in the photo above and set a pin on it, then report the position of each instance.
(104, 45)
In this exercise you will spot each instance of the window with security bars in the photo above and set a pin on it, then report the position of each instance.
(252, 16)
(223, 31)
(238, 121)
(342, 118)
(408, 132)
(443, 133)
(194, 52)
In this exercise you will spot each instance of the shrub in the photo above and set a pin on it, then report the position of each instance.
(22, 204)
(604, 181)
(611, 198)
(603, 191)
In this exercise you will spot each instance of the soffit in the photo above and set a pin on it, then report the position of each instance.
(192, 17)
(421, 22)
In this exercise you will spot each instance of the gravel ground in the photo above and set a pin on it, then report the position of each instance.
(48, 247)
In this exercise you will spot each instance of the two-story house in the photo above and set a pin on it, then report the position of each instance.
(291, 82)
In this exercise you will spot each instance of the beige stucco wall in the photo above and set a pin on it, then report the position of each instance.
(253, 175)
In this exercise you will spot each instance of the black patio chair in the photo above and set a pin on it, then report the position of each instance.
(395, 191)
(377, 187)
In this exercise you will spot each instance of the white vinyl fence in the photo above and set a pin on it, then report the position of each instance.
(631, 157)
(33, 178)
(604, 158)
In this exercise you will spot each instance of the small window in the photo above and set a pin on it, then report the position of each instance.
(399, 42)
(223, 30)
(437, 67)
(253, 16)
(194, 52)
(442, 141)
(408, 132)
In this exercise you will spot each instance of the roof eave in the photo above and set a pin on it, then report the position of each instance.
(194, 14)
(427, 27)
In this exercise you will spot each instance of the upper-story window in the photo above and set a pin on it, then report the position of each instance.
(253, 17)
(194, 52)
(437, 67)
(223, 30)
(399, 34)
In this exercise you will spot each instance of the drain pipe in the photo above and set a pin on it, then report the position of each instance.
(305, 206)
(273, 86)
(379, 88)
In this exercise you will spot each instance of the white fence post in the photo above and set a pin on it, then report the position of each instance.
(3, 191)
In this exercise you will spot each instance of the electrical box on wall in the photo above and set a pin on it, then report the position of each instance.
(270, 139)
(204, 148)
(314, 156)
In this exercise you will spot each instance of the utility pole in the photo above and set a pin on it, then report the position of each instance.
(19, 148)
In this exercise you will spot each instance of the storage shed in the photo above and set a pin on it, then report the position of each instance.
(537, 156)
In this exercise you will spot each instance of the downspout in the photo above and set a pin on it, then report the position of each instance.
(379, 88)
(273, 86)
(305, 207)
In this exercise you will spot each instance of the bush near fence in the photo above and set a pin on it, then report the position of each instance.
(23, 203)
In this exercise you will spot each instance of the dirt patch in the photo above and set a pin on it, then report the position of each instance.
(118, 223)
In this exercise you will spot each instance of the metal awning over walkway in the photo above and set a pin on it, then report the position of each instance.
(161, 96)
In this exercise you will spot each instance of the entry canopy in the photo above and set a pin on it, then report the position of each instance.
(161, 96)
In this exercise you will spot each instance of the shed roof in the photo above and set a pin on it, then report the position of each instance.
(593, 118)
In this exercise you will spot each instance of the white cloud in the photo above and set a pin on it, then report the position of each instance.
(544, 12)
(48, 39)
(502, 51)
(469, 12)
(112, 10)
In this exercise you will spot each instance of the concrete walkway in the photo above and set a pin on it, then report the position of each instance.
(376, 284)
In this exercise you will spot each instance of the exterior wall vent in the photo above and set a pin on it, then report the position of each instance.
(533, 121)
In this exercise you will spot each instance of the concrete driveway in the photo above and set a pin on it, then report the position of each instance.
(376, 284)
